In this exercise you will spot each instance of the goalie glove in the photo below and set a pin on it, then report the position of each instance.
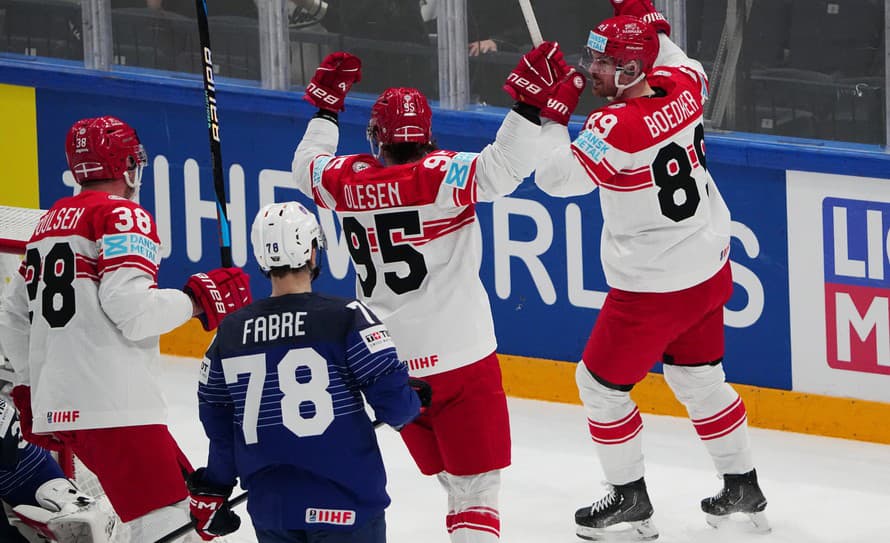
(564, 100)
(21, 395)
(208, 507)
(218, 293)
(332, 80)
(537, 73)
(644, 10)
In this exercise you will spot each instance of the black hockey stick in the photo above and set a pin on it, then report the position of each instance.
(225, 238)
(185, 529)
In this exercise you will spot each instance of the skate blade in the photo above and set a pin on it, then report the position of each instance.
(757, 522)
(642, 530)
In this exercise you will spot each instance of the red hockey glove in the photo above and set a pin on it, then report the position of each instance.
(21, 397)
(564, 100)
(332, 80)
(208, 507)
(537, 74)
(645, 11)
(218, 292)
(424, 392)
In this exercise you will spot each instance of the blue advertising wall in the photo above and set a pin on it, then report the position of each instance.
(541, 263)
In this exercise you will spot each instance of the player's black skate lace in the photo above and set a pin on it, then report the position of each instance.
(624, 503)
(740, 494)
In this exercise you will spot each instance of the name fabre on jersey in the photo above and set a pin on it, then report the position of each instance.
(263, 328)
(340, 517)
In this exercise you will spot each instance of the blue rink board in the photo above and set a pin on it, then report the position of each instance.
(260, 130)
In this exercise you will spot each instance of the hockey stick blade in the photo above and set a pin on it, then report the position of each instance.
(186, 528)
(531, 22)
(219, 187)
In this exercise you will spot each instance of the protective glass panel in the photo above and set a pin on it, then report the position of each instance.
(802, 68)
(163, 34)
(395, 39)
(498, 36)
(44, 28)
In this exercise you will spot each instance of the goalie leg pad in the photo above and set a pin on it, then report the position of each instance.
(716, 411)
(615, 425)
(473, 515)
(67, 515)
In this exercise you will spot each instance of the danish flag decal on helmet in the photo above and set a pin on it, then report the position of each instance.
(104, 148)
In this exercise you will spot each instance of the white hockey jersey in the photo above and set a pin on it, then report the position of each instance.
(665, 224)
(412, 233)
(80, 321)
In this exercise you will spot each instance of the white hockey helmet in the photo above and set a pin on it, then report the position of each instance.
(283, 235)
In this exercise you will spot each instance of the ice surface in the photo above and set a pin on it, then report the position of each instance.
(819, 489)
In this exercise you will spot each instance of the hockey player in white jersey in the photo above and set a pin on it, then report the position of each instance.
(81, 321)
(408, 214)
(665, 252)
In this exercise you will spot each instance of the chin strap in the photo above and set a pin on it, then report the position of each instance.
(619, 70)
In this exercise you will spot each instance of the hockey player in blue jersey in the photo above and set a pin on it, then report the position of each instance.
(281, 397)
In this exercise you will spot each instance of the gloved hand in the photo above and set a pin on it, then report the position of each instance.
(645, 11)
(21, 397)
(332, 80)
(424, 392)
(208, 507)
(218, 292)
(564, 100)
(538, 72)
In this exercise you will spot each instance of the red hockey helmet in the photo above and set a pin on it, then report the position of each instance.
(400, 115)
(624, 38)
(104, 148)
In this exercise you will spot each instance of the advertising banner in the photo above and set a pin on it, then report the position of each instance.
(839, 278)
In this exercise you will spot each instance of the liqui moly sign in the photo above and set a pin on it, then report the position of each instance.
(857, 284)
(839, 283)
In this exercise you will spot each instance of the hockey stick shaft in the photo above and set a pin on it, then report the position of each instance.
(531, 22)
(219, 187)
(185, 529)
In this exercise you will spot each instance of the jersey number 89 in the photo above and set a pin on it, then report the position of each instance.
(672, 169)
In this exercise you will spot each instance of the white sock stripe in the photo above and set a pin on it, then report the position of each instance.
(728, 410)
(724, 432)
(619, 440)
(631, 415)
(481, 509)
(476, 527)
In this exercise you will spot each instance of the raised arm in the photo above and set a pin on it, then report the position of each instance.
(502, 165)
(327, 91)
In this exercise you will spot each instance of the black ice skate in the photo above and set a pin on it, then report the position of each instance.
(740, 494)
(628, 504)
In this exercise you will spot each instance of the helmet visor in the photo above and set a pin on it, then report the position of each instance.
(593, 62)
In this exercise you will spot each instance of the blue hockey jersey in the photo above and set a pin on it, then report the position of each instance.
(281, 399)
